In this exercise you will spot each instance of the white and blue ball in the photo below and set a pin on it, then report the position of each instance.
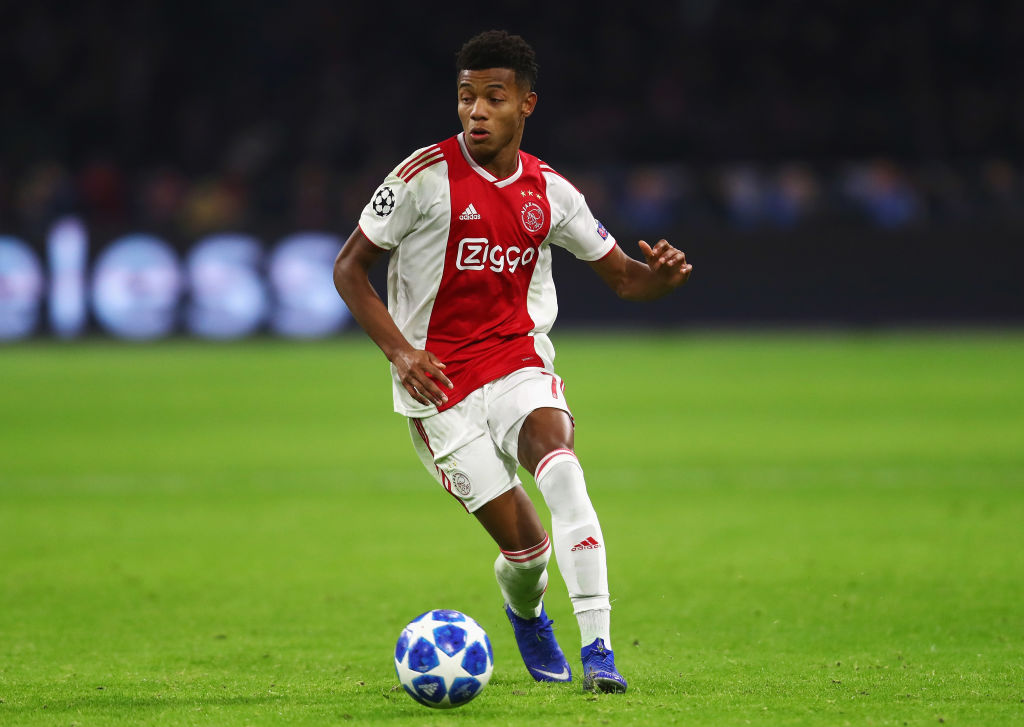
(443, 659)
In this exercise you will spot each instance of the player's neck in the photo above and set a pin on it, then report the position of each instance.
(503, 164)
(505, 161)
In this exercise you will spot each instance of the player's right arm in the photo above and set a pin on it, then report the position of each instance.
(419, 371)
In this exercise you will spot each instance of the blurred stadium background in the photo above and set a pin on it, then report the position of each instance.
(829, 163)
(829, 525)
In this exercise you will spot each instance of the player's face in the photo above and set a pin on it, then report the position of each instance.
(493, 110)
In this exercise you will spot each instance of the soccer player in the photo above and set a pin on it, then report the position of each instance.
(468, 224)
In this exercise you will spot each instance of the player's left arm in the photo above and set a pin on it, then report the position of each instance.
(663, 270)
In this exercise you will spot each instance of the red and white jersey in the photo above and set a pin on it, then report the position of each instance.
(469, 277)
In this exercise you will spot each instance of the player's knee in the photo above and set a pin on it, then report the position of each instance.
(545, 430)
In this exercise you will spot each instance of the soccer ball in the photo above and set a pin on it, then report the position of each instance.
(443, 659)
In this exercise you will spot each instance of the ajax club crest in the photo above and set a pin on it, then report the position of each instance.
(533, 216)
(460, 481)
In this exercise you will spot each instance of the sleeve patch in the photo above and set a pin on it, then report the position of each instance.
(383, 201)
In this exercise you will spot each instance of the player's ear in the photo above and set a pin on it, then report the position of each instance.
(529, 103)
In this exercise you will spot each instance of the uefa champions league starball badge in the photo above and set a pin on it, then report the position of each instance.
(383, 202)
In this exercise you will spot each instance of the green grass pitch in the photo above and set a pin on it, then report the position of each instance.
(803, 529)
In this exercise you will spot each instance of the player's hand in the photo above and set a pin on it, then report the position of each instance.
(668, 263)
(420, 373)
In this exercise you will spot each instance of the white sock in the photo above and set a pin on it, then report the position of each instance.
(579, 544)
(595, 624)
(523, 577)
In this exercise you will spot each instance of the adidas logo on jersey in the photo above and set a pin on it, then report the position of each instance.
(588, 544)
(470, 213)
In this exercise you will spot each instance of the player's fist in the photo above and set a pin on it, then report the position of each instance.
(668, 263)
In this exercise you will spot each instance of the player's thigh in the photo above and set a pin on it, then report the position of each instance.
(462, 458)
(514, 397)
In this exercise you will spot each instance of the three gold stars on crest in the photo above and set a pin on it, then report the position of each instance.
(529, 193)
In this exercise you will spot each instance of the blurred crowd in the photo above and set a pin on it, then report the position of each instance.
(195, 116)
(643, 199)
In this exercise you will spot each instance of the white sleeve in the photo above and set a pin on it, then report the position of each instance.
(390, 214)
(394, 208)
(574, 226)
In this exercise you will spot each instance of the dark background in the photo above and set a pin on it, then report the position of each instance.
(820, 162)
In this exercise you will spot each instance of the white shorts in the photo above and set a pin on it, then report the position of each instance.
(472, 449)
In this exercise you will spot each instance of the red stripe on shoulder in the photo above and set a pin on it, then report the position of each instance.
(417, 159)
(425, 164)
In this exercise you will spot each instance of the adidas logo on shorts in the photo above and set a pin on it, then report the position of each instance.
(470, 213)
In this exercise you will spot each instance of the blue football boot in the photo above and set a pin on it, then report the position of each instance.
(599, 672)
(541, 653)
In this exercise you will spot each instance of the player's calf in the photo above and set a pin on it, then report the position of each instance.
(523, 577)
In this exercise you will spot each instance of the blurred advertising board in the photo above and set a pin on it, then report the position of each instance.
(226, 285)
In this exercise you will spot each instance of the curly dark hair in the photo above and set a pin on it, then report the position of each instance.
(498, 49)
